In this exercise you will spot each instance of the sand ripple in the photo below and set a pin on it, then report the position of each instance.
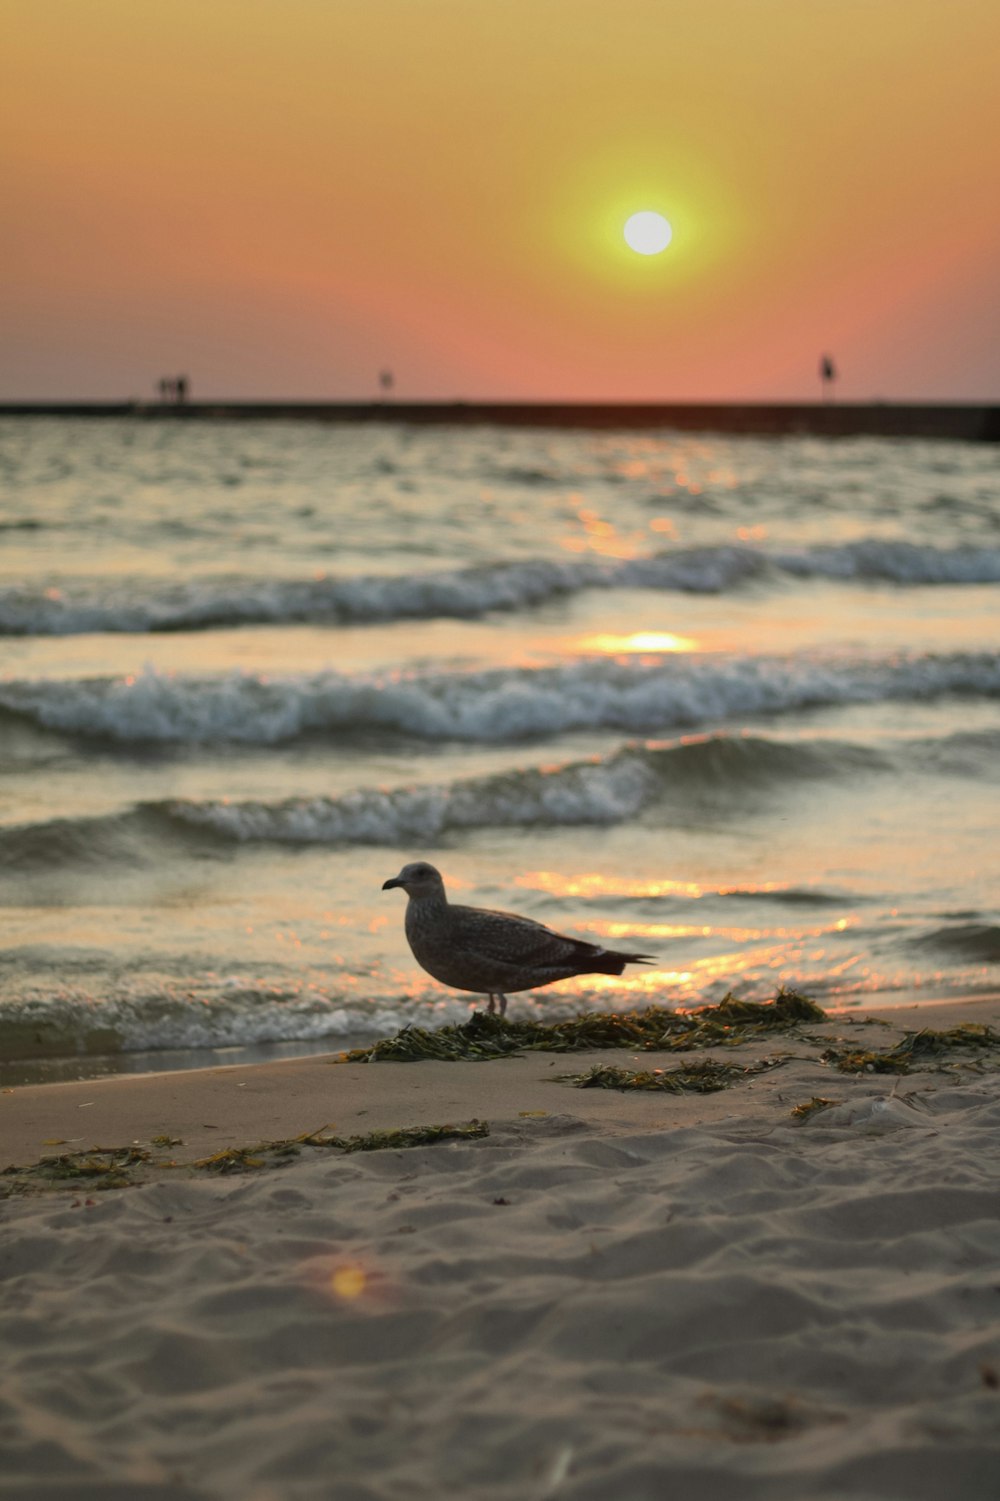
(735, 1310)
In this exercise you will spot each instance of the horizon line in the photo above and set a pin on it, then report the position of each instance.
(951, 420)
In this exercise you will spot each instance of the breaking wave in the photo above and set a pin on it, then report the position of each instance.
(466, 593)
(234, 1012)
(611, 790)
(494, 706)
(601, 791)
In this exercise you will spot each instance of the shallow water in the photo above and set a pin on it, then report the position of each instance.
(731, 700)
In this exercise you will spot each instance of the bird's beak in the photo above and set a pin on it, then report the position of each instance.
(388, 885)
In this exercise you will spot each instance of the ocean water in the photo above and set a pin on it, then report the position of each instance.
(731, 701)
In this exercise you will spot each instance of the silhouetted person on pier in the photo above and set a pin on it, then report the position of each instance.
(827, 376)
(386, 381)
(173, 388)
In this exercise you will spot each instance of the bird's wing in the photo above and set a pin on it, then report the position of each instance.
(509, 938)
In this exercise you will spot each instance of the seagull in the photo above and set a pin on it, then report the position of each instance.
(492, 953)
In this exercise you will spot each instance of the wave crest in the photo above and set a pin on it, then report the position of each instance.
(466, 593)
(601, 791)
(496, 706)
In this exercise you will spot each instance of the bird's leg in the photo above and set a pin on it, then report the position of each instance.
(491, 1008)
(503, 1004)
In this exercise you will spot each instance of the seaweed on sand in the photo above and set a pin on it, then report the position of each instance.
(98, 1168)
(114, 1167)
(271, 1153)
(705, 1077)
(913, 1049)
(656, 1029)
(865, 1060)
(811, 1107)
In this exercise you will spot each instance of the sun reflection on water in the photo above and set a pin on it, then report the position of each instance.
(587, 884)
(650, 643)
(597, 883)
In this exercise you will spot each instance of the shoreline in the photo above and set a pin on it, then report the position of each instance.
(977, 422)
(232, 1106)
(42, 1069)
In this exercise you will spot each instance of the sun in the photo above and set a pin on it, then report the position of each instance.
(648, 233)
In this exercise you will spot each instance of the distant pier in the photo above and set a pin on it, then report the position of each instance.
(956, 420)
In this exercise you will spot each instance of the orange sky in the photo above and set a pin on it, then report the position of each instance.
(280, 197)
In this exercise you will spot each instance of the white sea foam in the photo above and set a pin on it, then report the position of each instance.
(467, 593)
(600, 792)
(498, 706)
(897, 562)
(609, 790)
(196, 1013)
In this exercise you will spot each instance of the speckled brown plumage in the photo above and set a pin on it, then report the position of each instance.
(492, 953)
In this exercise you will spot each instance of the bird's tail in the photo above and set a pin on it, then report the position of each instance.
(612, 962)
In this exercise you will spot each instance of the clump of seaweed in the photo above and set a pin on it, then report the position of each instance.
(272, 1153)
(112, 1167)
(246, 1159)
(99, 1167)
(811, 1107)
(926, 1045)
(866, 1061)
(409, 1136)
(656, 1029)
(928, 1042)
(705, 1077)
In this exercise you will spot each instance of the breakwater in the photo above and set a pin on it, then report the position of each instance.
(969, 422)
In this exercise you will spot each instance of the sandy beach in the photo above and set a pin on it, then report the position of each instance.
(610, 1293)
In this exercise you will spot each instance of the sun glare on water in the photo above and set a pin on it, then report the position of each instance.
(639, 642)
(647, 233)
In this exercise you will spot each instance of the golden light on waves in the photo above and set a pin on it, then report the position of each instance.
(652, 643)
(598, 883)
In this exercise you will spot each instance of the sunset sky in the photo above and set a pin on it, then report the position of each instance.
(282, 197)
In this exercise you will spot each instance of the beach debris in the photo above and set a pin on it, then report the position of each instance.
(864, 1060)
(244, 1159)
(409, 1136)
(705, 1077)
(103, 1167)
(929, 1042)
(114, 1167)
(914, 1048)
(809, 1108)
(492, 953)
(272, 1153)
(655, 1029)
